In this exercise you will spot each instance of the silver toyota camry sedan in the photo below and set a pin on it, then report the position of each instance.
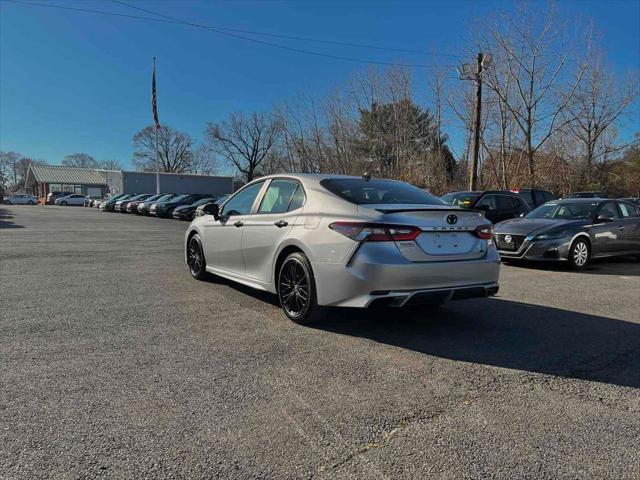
(326, 240)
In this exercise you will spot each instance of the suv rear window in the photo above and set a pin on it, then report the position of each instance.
(361, 191)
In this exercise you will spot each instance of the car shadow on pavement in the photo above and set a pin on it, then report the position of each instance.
(506, 334)
(6, 220)
(623, 266)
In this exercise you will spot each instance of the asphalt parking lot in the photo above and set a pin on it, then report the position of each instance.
(115, 363)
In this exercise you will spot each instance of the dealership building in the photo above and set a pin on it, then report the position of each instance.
(42, 179)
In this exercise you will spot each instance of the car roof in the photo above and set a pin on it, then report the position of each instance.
(581, 200)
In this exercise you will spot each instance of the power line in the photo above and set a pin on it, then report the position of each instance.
(262, 42)
(304, 39)
(228, 32)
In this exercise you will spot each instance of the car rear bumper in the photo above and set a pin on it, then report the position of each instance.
(380, 274)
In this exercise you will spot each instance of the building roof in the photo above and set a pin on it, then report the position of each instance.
(64, 174)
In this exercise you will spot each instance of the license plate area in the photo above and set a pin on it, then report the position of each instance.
(446, 243)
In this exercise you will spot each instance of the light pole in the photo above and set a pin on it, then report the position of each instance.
(467, 72)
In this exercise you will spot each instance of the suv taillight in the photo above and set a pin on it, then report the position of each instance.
(484, 231)
(375, 232)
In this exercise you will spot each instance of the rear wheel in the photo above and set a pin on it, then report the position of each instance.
(579, 254)
(297, 290)
(195, 258)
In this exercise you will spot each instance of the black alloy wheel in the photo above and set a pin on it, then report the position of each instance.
(297, 290)
(195, 258)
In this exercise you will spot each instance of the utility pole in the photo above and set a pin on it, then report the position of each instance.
(473, 174)
(469, 73)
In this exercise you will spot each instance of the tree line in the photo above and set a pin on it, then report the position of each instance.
(553, 110)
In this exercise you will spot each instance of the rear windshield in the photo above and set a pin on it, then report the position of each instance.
(461, 199)
(361, 191)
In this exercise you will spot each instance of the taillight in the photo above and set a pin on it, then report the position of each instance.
(484, 231)
(375, 232)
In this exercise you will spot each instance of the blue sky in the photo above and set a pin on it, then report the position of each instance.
(79, 82)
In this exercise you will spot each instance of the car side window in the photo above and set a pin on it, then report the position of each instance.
(522, 207)
(488, 202)
(298, 199)
(241, 202)
(507, 204)
(627, 210)
(278, 196)
(609, 208)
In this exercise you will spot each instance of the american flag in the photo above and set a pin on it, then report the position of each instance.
(154, 104)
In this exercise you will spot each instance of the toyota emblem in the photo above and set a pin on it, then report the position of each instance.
(451, 219)
(507, 238)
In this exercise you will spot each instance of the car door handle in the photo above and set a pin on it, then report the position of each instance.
(281, 224)
(621, 228)
(238, 224)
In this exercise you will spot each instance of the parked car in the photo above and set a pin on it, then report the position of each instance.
(109, 205)
(165, 209)
(587, 195)
(132, 206)
(75, 199)
(200, 210)
(188, 212)
(143, 208)
(634, 200)
(121, 205)
(21, 199)
(497, 205)
(534, 197)
(53, 196)
(90, 199)
(573, 231)
(323, 240)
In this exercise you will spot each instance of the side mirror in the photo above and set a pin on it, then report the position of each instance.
(604, 218)
(212, 209)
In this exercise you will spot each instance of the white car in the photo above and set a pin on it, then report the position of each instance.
(21, 200)
(328, 240)
(73, 199)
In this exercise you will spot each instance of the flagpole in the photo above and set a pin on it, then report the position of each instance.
(156, 128)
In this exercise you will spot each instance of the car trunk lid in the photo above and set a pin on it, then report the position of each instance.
(447, 232)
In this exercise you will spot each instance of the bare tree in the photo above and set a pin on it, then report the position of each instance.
(599, 103)
(110, 165)
(174, 149)
(8, 169)
(541, 70)
(83, 160)
(203, 160)
(244, 141)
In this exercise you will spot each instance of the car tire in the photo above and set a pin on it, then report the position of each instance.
(31, 202)
(297, 290)
(579, 254)
(195, 258)
(7, 202)
(63, 203)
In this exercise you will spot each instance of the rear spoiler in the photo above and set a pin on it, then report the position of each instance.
(402, 210)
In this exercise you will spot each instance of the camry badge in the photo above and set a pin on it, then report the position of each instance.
(507, 238)
(451, 219)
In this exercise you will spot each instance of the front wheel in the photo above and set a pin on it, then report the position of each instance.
(579, 254)
(195, 258)
(31, 202)
(63, 204)
(297, 290)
